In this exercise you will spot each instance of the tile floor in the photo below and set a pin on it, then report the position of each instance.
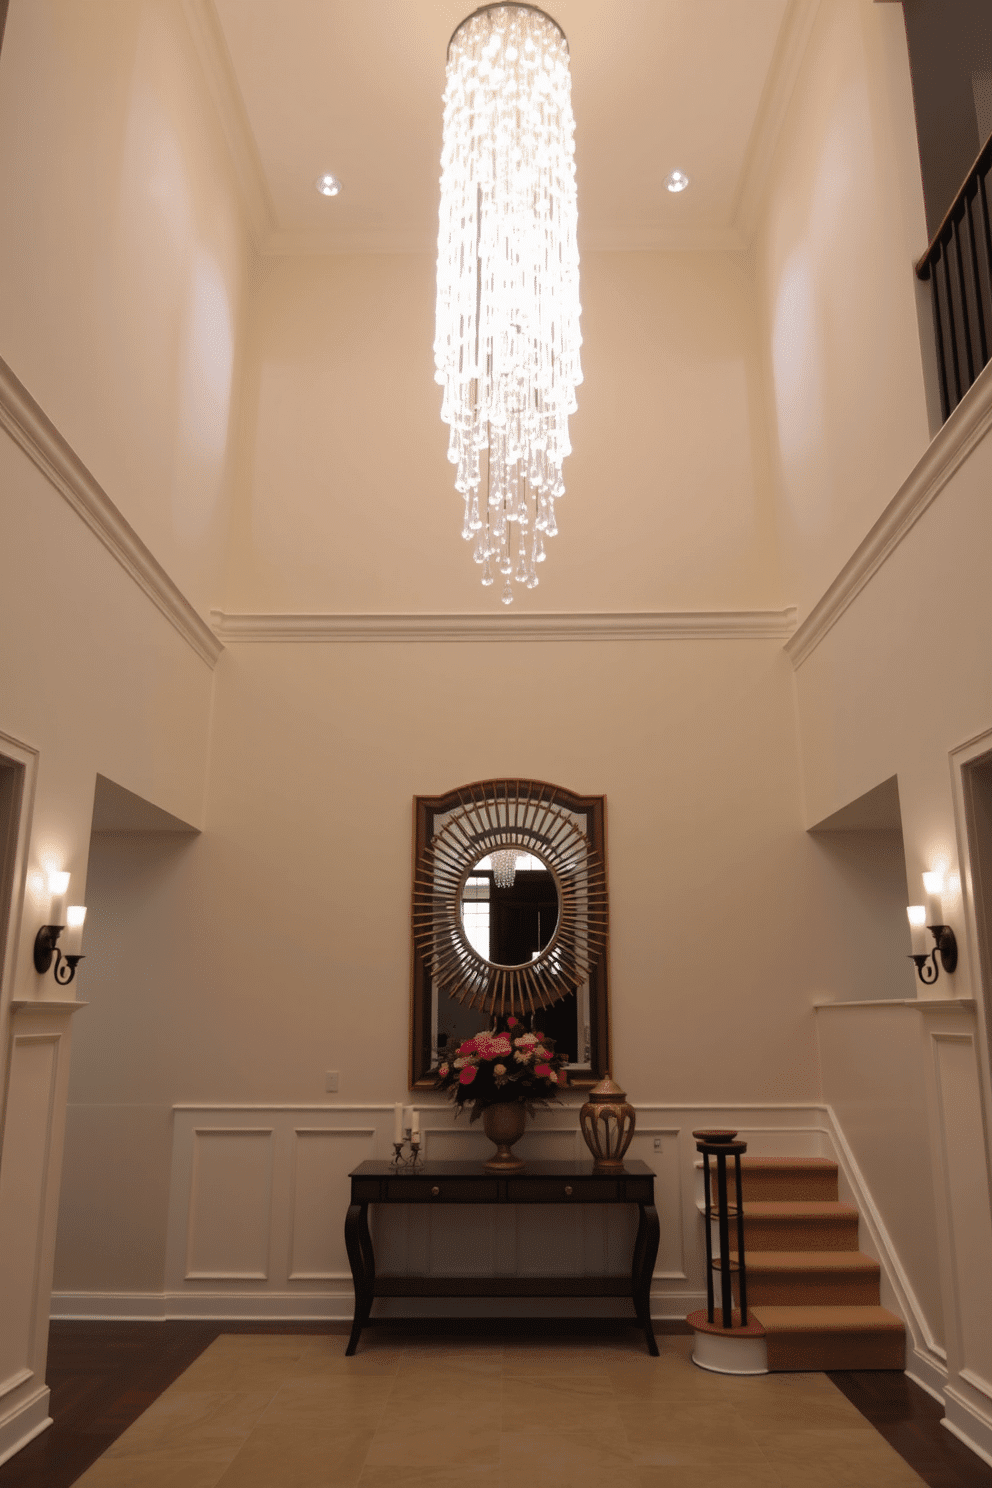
(290, 1411)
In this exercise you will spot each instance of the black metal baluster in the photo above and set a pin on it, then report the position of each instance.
(741, 1266)
(965, 315)
(949, 295)
(979, 307)
(709, 1239)
(931, 274)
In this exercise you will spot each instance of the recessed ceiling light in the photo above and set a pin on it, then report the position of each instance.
(328, 185)
(677, 181)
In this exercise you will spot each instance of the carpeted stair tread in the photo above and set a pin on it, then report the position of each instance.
(835, 1337)
(786, 1278)
(789, 1178)
(827, 1319)
(799, 1209)
(809, 1260)
(799, 1225)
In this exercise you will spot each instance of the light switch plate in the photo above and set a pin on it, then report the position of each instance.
(331, 1081)
(657, 1143)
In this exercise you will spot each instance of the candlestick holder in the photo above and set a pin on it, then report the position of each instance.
(399, 1160)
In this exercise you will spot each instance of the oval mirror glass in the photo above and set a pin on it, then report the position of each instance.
(509, 907)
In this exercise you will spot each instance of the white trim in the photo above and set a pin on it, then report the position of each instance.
(33, 431)
(25, 1422)
(947, 451)
(27, 758)
(969, 1425)
(921, 1004)
(687, 625)
(337, 1305)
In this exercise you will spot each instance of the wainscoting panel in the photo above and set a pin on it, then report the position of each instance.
(259, 1193)
(322, 1159)
(230, 1205)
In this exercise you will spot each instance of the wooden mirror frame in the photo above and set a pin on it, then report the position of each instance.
(532, 816)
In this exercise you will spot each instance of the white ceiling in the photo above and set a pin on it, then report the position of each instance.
(354, 87)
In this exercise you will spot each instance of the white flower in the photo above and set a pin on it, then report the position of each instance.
(460, 1062)
(527, 1038)
(520, 1058)
(553, 1077)
(541, 1054)
(499, 1070)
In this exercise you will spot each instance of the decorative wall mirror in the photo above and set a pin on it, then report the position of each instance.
(510, 915)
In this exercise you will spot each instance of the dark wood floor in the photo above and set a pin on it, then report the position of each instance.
(103, 1375)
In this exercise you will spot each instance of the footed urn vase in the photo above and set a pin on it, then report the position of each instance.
(504, 1124)
(607, 1120)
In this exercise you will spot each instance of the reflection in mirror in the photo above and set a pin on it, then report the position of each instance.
(509, 908)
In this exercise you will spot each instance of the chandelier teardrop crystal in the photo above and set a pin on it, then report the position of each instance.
(506, 347)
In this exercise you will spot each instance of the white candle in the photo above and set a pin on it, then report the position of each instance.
(58, 884)
(408, 1119)
(398, 1122)
(71, 940)
(414, 1125)
(933, 888)
(917, 916)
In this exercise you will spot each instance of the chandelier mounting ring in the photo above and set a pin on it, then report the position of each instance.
(507, 5)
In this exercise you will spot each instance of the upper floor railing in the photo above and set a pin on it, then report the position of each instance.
(958, 264)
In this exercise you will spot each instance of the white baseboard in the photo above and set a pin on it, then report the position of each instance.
(26, 1421)
(968, 1424)
(926, 1371)
(337, 1307)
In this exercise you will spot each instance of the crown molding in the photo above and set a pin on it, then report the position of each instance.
(946, 452)
(775, 99)
(688, 625)
(218, 71)
(33, 431)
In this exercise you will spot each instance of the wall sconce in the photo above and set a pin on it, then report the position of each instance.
(930, 916)
(46, 948)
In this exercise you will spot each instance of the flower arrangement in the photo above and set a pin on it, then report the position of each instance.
(505, 1063)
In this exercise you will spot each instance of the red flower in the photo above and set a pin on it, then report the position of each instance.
(539, 1069)
(511, 1022)
(467, 1075)
(468, 1047)
(493, 1048)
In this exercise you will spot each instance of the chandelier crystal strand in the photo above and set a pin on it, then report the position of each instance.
(506, 348)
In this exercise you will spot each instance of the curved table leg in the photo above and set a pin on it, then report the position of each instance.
(361, 1258)
(642, 1270)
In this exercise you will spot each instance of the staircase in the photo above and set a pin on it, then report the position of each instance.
(808, 1285)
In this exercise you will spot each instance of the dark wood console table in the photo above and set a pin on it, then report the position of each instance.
(441, 1183)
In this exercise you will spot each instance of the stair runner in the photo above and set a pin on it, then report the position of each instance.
(808, 1285)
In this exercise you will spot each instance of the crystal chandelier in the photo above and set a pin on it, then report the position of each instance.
(507, 340)
(504, 868)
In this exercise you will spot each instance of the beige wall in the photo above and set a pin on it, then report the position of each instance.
(842, 227)
(123, 263)
(348, 498)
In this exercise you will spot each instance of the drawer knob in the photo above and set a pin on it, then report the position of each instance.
(568, 1190)
(435, 1192)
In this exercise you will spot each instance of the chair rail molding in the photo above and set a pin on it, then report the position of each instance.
(33, 431)
(946, 453)
(647, 625)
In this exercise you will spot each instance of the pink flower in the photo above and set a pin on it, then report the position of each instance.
(539, 1069)
(468, 1047)
(511, 1022)
(467, 1075)
(443, 1071)
(493, 1048)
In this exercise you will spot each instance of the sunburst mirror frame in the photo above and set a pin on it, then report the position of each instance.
(451, 834)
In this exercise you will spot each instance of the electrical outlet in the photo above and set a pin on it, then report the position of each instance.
(331, 1081)
(657, 1144)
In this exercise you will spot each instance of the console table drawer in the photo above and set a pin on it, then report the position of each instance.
(441, 1191)
(562, 1190)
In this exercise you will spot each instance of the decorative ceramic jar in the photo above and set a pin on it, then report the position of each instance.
(608, 1120)
(504, 1124)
